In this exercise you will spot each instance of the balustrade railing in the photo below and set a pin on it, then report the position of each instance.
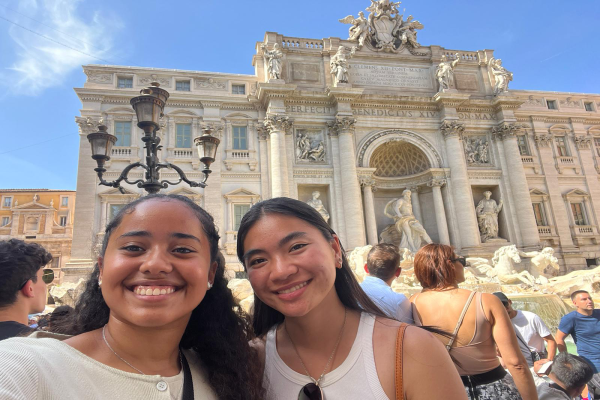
(527, 159)
(298, 43)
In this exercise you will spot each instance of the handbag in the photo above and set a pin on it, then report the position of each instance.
(398, 370)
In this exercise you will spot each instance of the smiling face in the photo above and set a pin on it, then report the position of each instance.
(291, 265)
(157, 265)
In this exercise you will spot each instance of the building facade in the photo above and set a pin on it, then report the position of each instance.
(41, 216)
(360, 120)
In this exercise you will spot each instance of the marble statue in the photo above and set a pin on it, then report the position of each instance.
(408, 32)
(357, 260)
(36, 198)
(476, 150)
(445, 72)
(273, 58)
(52, 203)
(501, 75)
(317, 204)
(318, 153)
(504, 270)
(339, 65)
(305, 151)
(544, 262)
(413, 235)
(359, 30)
(487, 215)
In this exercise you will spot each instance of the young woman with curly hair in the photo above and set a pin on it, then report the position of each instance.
(156, 319)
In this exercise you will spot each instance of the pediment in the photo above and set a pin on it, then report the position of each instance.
(183, 191)
(237, 115)
(576, 193)
(33, 205)
(120, 109)
(559, 129)
(594, 130)
(117, 192)
(537, 192)
(241, 192)
(181, 111)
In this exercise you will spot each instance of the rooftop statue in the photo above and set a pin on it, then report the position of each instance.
(273, 58)
(339, 65)
(501, 75)
(385, 29)
(445, 72)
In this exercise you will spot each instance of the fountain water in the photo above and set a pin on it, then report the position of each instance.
(550, 307)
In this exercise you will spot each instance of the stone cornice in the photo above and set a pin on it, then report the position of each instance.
(450, 100)
(210, 104)
(266, 91)
(507, 102)
(344, 94)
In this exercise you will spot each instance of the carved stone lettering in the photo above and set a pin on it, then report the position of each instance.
(389, 76)
(477, 116)
(376, 112)
(305, 72)
(466, 82)
(308, 109)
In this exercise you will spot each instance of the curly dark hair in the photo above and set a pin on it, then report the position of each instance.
(218, 329)
(19, 262)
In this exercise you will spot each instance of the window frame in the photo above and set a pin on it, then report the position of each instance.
(525, 144)
(183, 81)
(63, 200)
(61, 219)
(4, 198)
(123, 134)
(123, 78)
(542, 213)
(181, 135)
(236, 142)
(563, 140)
(590, 104)
(583, 219)
(554, 104)
(4, 218)
(238, 86)
(236, 223)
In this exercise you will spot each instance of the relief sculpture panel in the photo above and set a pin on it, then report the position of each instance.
(310, 146)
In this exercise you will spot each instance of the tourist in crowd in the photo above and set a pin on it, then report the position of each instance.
(323, 336)
(583, 325)
(531, 331)
(22, 285)
(56, 318)
(479, 323)
(568, 375)
(382, 267)
(155, 319)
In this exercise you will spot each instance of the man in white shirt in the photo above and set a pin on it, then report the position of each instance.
(382, 267)
(531, 330)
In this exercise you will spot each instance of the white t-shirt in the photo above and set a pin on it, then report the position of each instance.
(532, 329)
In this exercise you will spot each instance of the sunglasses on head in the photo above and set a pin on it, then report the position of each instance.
(47, 277)
(461, 260)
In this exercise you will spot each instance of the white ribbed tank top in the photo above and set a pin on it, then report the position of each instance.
(355, 378)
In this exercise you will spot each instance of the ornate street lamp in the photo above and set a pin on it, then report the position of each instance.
(149, 108)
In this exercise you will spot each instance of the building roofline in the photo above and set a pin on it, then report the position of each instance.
(166, 70)
(36, 190)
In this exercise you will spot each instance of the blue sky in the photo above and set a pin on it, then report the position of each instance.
(549, 45)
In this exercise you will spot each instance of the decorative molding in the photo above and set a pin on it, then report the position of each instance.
(88, 125)
(211, 83)
(543, 140)
(570, 103)
(399, 135)
(313, 173)
(436, 182)
(506, 130)
(278, 123)
(342, 125)
(148, 79)
(583, 142)
(98, 77)
(478, 174)
(451, 128)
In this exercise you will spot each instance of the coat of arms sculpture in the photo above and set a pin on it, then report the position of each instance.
(385, 29)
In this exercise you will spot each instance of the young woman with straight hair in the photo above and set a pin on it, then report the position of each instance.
(156, 319)
(479, 323)
(321, 335)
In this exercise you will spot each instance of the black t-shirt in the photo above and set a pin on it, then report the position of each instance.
(10, 329)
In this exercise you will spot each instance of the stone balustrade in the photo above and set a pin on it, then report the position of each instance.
(299, 43)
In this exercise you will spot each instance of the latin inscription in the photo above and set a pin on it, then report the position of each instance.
(477, 116)
(309, 109)
(383, 75)
(386, 112)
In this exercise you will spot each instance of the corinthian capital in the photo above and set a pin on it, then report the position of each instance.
(88, 124)
(277, 122)
(583, 142)
(436, 182)
(342, 125)
(452, 128)
(505, 130)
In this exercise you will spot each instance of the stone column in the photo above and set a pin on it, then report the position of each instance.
(277, 124)
(440, 211)
(518, 183)
(337, 186)
(264, 162)
(416, 204)
(368, 189)
(461, 189)
(353, 210)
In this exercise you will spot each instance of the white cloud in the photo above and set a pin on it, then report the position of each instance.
(38, 63)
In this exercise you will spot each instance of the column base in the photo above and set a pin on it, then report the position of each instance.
(76, 269)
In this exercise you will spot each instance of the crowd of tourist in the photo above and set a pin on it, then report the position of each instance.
(157, 321)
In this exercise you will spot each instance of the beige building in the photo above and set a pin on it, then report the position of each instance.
(360, 124)
(41, 216)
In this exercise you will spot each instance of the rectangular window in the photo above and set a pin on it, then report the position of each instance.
(551, 104)
(7, 202)
(63, 221)
(55, 262)
(113, 209)
(578, 215)
(123, 133)
(561, 146)
(183, 86)
(523, 148)
(239, 210)
(238, 89)
(5, 221)
(589, 106)
(240, 138)
(64, 202)
(540, 218)
(183, 137)
(597, 145)
(125, 82)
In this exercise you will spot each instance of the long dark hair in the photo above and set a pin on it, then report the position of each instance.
(346, 285)
(218, 329)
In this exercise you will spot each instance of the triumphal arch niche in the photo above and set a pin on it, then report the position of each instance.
(350, 123)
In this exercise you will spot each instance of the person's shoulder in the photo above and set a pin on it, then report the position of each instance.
(529, 315)
(596, 313)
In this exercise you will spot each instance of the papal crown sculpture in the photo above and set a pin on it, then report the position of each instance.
(385, 29)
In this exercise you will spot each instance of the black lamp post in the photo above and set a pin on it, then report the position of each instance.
(149, 108)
